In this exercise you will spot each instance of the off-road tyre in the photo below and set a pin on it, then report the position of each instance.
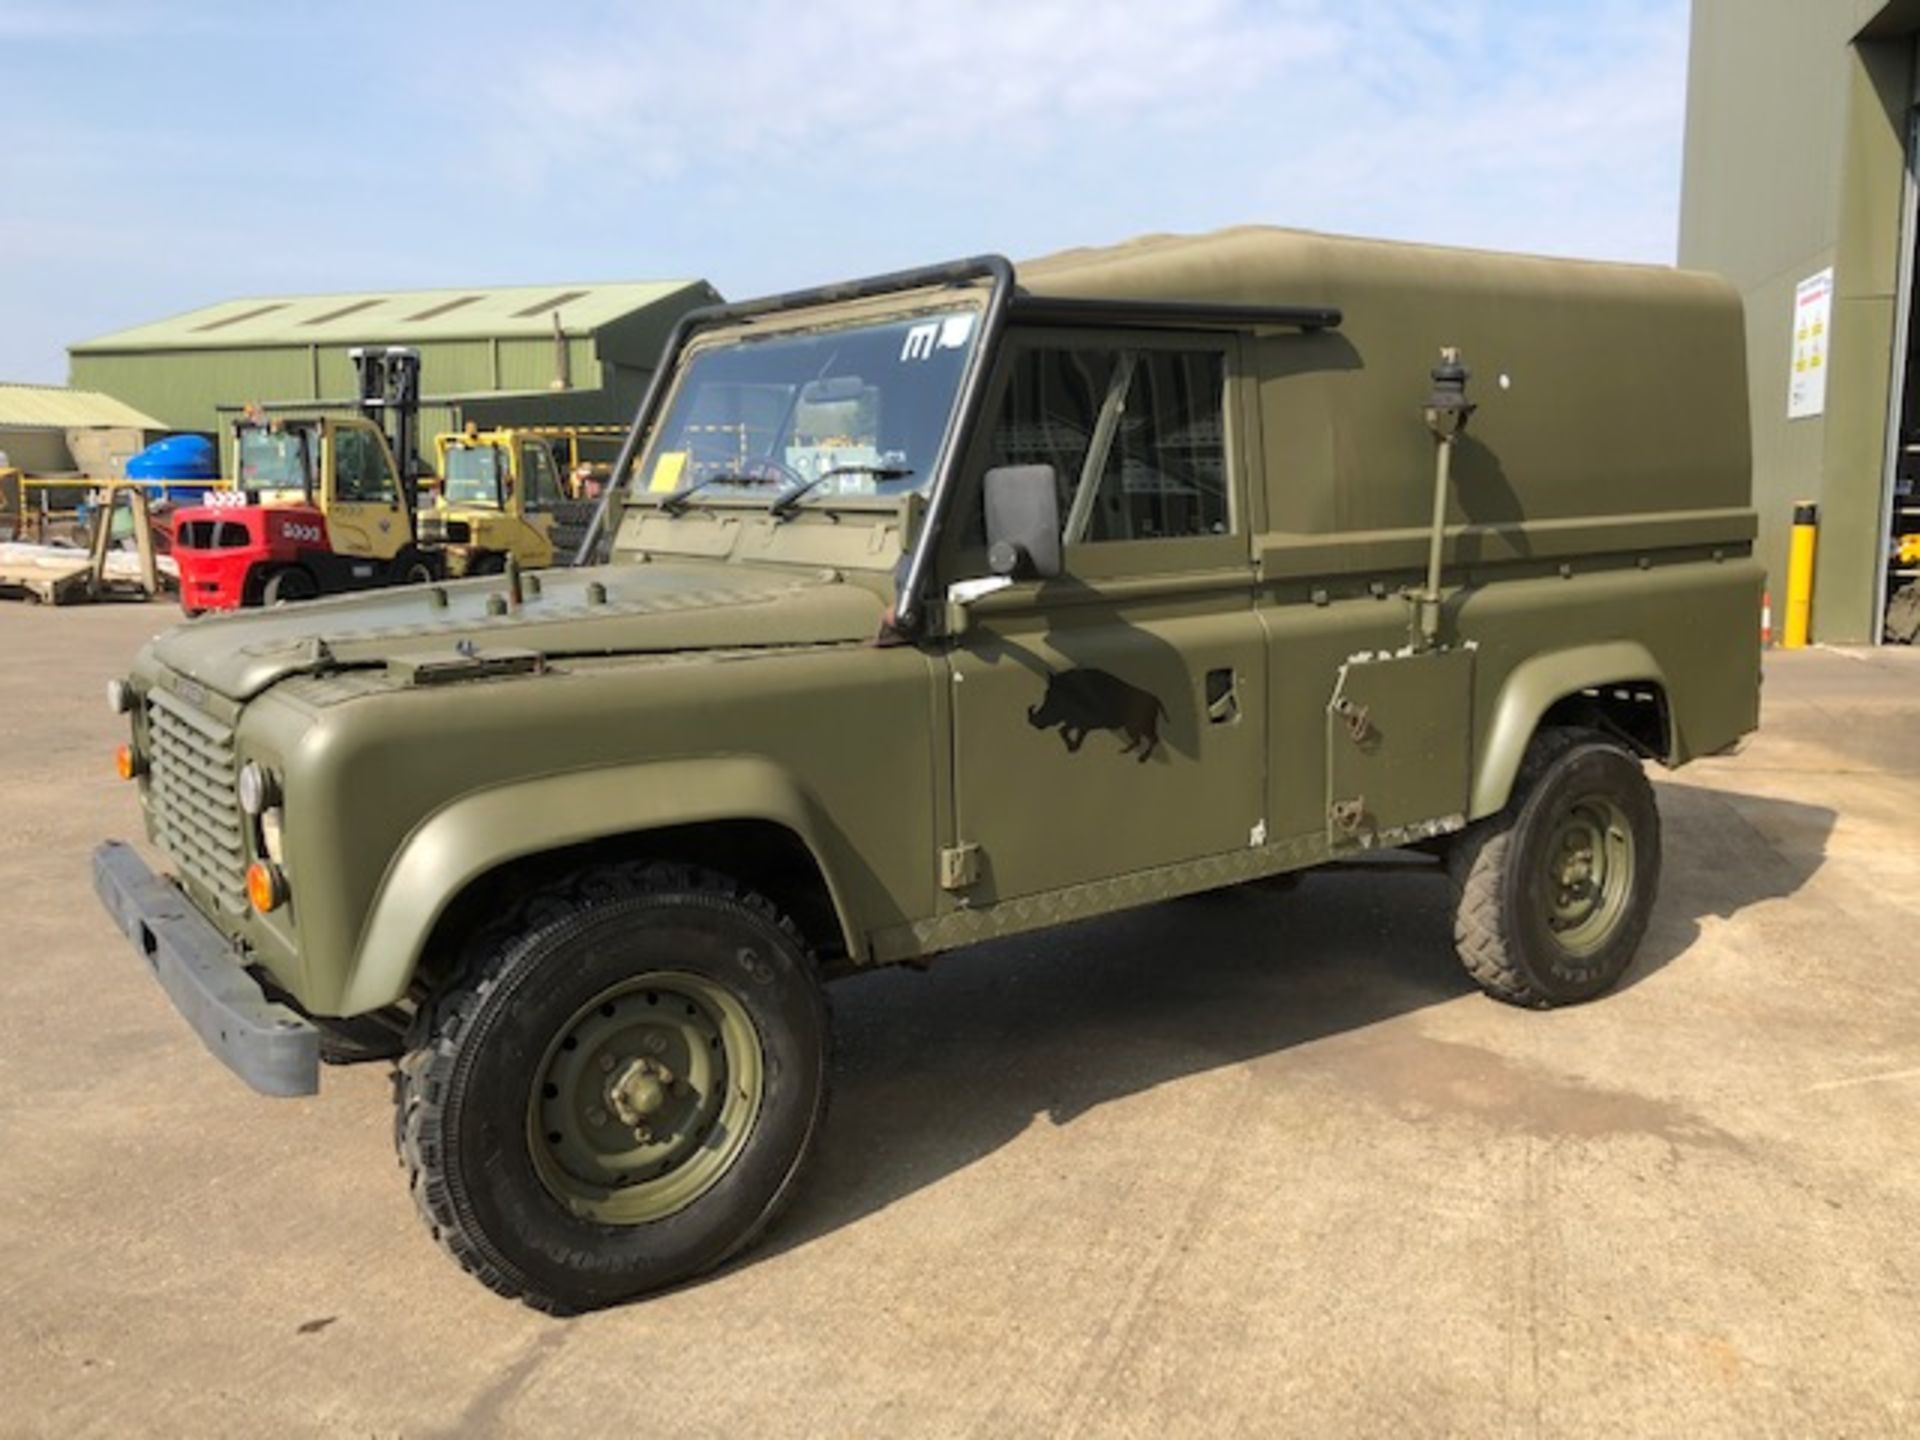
(289, 583)
(464, 1093)
(1505, 889)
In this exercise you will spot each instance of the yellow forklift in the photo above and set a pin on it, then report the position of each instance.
(496, 493)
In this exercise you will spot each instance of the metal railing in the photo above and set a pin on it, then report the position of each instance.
(43, 504)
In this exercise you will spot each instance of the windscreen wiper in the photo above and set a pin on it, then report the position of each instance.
(788, 500)
(676, 502)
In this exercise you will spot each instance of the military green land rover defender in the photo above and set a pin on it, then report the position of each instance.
(938, 607)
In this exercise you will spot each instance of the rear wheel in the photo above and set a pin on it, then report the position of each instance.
(621, 1093)
(292, 582)
(1553, 894)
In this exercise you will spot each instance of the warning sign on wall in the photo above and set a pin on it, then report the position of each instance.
(1812, 319)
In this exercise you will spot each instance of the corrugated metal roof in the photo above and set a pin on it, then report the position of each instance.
(395, 317)
(54, 407)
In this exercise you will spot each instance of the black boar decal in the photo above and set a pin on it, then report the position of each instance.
(1081, 700)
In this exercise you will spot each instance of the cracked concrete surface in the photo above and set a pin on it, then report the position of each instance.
(1250, 1163)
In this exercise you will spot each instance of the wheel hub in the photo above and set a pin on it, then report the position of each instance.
(1588, 873)
(639, 1091)
(645, 1097)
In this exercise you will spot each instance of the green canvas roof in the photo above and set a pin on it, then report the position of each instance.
(55, 407)
(397, 317)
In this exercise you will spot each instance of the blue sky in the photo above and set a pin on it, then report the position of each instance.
(159, 156)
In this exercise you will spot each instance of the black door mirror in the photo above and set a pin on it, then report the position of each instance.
(1023, 521)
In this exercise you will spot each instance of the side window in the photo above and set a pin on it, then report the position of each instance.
(1136, 438)
(543, 482)
(1165, 472)
(1052, 404)
(360, 469)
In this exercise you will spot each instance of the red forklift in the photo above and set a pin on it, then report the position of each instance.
(320, 504)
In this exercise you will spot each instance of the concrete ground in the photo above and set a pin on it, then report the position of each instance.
(1249, 1164)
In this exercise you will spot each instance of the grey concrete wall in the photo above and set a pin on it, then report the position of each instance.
(35, 449)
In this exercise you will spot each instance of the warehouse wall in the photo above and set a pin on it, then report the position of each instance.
(183, 388)
(1795, 160)
(188, 387)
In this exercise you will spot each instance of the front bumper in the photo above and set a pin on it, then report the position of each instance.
(267, 1045)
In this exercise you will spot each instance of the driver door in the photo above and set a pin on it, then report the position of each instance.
(1110, 723)
(365, 514)
(539, 488)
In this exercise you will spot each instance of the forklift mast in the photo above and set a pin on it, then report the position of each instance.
(390, 397)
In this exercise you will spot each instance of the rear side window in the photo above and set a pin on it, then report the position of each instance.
(1136, 438)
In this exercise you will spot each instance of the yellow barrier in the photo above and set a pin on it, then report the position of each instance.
(1800, 555)
(33, 521)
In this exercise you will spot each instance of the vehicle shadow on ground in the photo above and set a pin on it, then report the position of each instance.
(1724, 850)
(934, 1071)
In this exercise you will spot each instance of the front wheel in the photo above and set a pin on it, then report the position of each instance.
(621, 1093)
(1553, 894)
(412, 567)
(292, 582)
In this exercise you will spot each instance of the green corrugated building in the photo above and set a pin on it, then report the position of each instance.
(1799, 187)
(524, 354)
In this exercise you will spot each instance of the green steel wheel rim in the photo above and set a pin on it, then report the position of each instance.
(645, 1097)
(1587, 874)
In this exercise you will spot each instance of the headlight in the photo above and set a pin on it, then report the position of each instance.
(119, 696)
(256, 788)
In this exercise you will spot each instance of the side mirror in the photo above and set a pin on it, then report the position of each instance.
(1023, 521)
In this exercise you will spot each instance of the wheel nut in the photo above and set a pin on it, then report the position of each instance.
(596, 1116)
(606, 1064)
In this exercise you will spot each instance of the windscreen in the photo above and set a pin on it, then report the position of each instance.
(275, 459)
(856, 411)
(473, 475)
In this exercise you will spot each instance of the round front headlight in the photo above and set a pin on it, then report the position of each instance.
(256, 788)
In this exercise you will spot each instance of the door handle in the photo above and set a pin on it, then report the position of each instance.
(1223, 697)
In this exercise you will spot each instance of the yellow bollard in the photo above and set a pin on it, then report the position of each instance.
(1800, 547)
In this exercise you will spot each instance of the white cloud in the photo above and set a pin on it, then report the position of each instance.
(765, 144)
(769, 81)
(1491, 121)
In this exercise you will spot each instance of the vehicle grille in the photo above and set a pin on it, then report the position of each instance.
(195, 809)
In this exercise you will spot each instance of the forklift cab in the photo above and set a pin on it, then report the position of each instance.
(499, 470)
(495, 496)
(340, 466)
